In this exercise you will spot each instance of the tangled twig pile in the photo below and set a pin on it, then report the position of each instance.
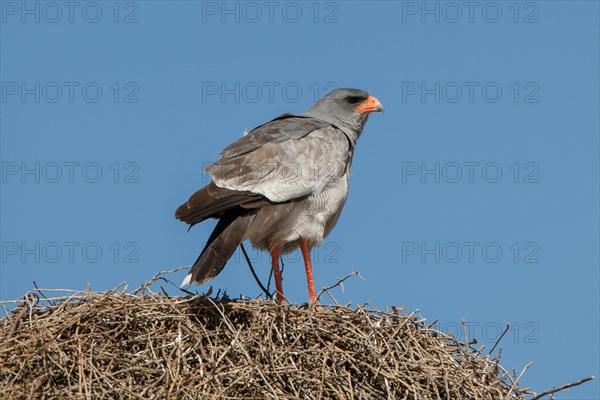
(122, 345)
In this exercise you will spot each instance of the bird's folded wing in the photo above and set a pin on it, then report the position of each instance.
(285, 159)
(212, 202)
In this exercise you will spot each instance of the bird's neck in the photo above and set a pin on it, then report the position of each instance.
(352, 128)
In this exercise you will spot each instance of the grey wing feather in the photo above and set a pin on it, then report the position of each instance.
(285, 159)
(284, 127)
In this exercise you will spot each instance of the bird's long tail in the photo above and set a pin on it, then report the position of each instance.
(223, 241)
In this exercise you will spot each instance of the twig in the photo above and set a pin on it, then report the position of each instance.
(340, 282)
(332, 298)
(158, 276)
(28, 305)
(517, 379)
(499, 339)
(42, 293)
(264, 289)
(464, 327)
(563, 387)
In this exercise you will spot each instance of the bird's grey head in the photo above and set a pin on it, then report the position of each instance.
(348, 109)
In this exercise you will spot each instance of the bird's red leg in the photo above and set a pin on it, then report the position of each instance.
(277, 274)
(305, 248)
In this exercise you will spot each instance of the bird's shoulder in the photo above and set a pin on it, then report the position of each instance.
(281, 129)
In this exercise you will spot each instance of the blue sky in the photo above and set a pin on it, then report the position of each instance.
(475, 196)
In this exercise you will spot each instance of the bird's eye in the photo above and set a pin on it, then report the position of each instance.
(353, 99)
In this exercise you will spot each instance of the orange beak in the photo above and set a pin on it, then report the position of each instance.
(371, 104)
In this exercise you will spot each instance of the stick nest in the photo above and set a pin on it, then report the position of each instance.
(146, 345)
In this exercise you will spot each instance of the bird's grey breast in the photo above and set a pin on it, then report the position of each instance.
(328, 204)
(312, 218)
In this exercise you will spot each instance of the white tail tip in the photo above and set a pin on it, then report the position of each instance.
(186, 281)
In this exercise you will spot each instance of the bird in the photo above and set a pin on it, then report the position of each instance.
(281, 186)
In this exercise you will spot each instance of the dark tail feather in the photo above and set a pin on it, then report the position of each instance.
(212, 202)
(223, 241)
